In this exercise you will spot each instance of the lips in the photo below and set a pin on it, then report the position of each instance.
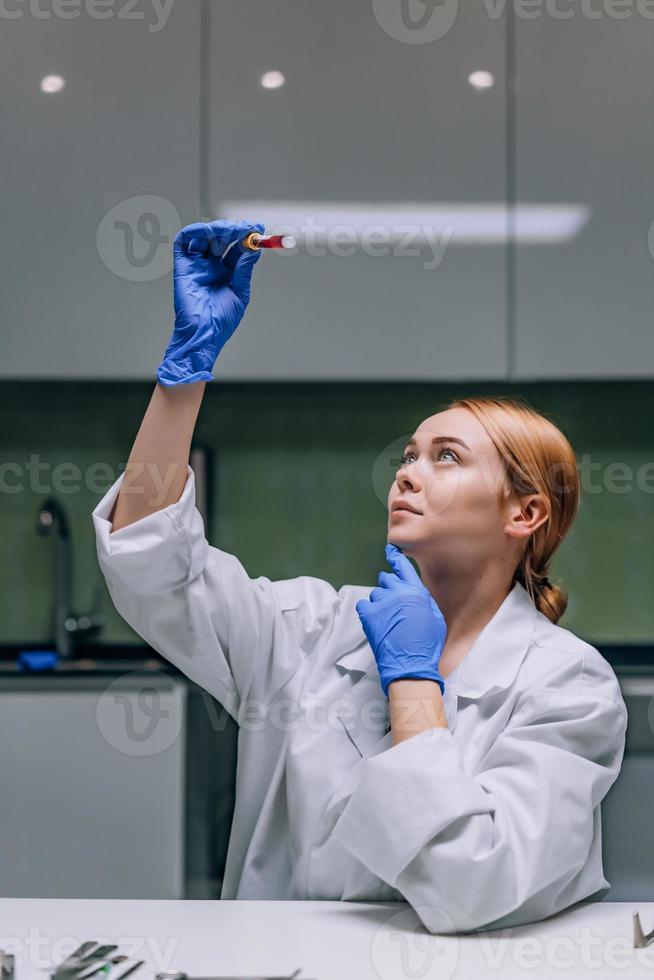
(403, 505)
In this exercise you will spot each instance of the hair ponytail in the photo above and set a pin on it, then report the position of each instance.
(550, 599)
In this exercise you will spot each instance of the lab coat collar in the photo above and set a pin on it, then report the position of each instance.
(494, 658)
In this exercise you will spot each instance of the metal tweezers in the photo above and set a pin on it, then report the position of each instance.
(641, 939)
(90, 959)
(6, 965)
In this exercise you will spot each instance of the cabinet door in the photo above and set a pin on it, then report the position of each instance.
(371, 120)
(87, 289)
(627, 808)
(584, 138)
(93, 786)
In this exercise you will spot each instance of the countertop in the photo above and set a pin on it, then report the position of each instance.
(630, 660)
(327, 940)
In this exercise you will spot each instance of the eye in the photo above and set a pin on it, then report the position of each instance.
(444, 449)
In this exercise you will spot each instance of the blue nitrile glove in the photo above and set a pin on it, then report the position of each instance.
(405, 628)
(212, 291)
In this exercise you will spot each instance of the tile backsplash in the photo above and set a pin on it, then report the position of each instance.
(296, 486)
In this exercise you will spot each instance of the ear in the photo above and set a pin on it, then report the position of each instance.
(525, 513)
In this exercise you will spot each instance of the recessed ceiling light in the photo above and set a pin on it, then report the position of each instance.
(52, 84)
(481, 79)
(272, 79)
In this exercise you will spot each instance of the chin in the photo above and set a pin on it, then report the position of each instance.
(405, 542)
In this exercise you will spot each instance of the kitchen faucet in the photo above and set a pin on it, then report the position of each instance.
(52, 519)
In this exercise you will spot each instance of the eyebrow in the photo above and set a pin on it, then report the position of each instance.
(413, 442)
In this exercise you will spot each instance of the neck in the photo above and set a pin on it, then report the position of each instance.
(467, 603)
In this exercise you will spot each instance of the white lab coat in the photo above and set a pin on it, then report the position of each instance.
(492, 821)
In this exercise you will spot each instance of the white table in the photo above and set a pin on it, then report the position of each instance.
(328, 940)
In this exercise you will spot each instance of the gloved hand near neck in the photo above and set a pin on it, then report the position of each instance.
(404, 626)
(211, 285)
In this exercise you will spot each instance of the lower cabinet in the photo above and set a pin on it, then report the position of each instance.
(628, 806)
(92, 776)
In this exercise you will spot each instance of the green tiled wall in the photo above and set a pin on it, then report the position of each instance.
(293, 491)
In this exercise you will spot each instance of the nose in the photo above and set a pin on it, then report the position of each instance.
(407, 477)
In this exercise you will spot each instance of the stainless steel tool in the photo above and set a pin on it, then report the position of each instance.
(81, 952)
(7, 963)
(641, 939)
(92, 959)
(97, 966)
(88, 953)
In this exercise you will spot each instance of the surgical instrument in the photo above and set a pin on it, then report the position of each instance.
(641, 939)
(7, 963)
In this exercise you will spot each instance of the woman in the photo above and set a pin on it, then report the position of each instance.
(437, 739)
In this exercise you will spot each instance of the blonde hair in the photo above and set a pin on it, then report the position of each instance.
(537, 459)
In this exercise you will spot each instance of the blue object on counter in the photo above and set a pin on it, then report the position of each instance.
(36, 660)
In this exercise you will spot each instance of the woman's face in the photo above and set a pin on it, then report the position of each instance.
(453, 476)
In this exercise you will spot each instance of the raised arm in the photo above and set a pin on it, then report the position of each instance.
(239, 638)
(212, 283)
(156, 471)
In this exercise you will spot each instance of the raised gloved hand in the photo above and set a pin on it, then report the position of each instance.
(211, 290)
(404, 626)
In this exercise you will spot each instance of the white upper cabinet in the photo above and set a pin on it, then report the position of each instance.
(86, 289)
(372, 133)
(376, 145)
(585, 140)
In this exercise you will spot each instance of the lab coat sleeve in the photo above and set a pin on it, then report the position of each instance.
(467, 849)
(241, 639)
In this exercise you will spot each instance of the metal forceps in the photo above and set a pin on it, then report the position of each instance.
(6, 965)
(641, 939)
(90, 959)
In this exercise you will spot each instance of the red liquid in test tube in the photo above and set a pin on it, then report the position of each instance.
(256, 241)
